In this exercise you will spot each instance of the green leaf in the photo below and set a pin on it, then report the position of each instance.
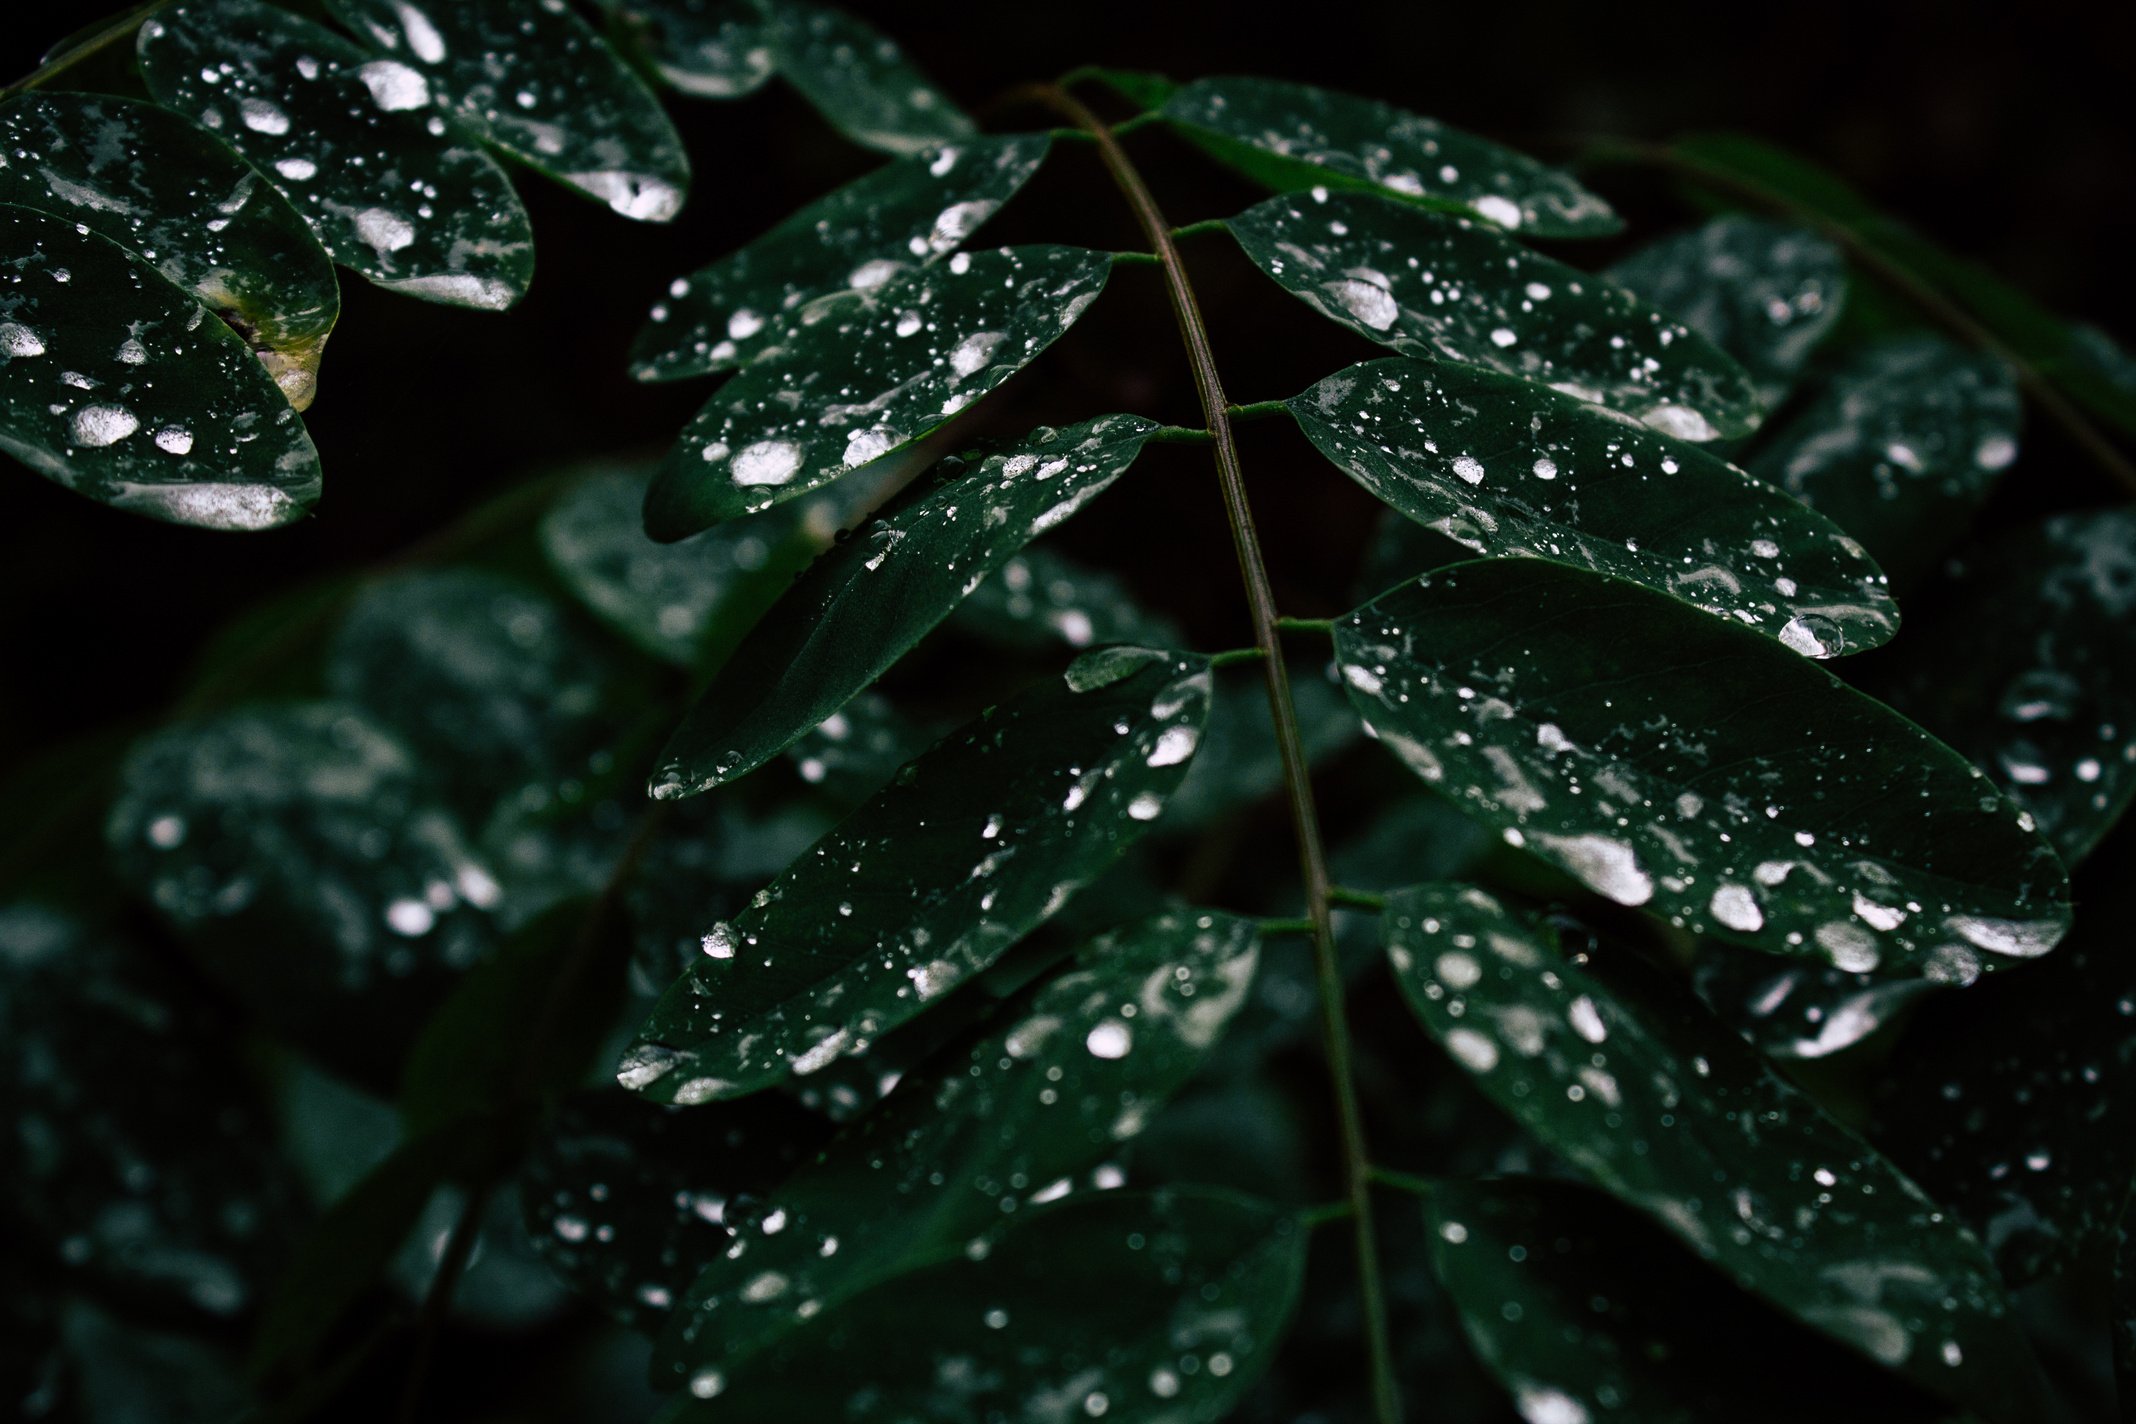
(197, 211)
(1586, 1311)
(1289, 136)
(871, 373)
(1143, 1309)
(1141, 88)
(853, 753)
(1506, 467)
(1439, 286)
(905, 216)
(1625, 1075)
(1764, 292)
(1044, 600)
(1239, 762)
(976, 843)
(536, 81)
(869, 599)
(955, 1154)
(1794, 1010)
(1900, 448)
(708, 49)
(115, 383)
(859, 80)
(1659, 757)
(391, 190)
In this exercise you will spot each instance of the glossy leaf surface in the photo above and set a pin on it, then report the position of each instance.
(1044, 599)
(391, 189)
(1658, 756)
(870, 598)
(906, 215)
(871, 373)
(1505, 467)
(1293, 136)
(1439, 286)
(708, 49)
(975, 844)
(860, 81)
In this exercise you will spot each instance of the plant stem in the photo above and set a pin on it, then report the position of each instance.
(1357, 899)
(1201, 229)
(1306, 625)
(1232, 656)
(437, 1301)
(1298, 787)
(1402, 1181)
(1300, 926)
(84, 44)
(1257, 410)
(1179, 435)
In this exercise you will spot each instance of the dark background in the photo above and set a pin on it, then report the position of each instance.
(2002, 130)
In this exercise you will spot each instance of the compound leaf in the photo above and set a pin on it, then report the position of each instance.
(859, 80)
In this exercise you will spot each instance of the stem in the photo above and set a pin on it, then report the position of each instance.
(437, 1302)
(1306, 625)
(1305, 821)
(83, 44)
(1231, 656)
(1258, 410)
(1202, 228)
(1357, 899)
(1402, 1181)
(1286, 927)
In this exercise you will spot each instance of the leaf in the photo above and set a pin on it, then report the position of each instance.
(1238, 761)
(871, 373)
(869, 599)
(1629, 1079)
(859, 80)
(1290, 136)
(1585, 1311)
(1156, 1309)
(116, 384)
(1766, 293)
(708, 49)
(955, 1154)
(905, 216)
(1505, 467)
(1659, 757)
(1044, 600)
(1900, 448)
(853, 753)
(976, 844)
(197, 211)
(1435, 285)
(2028, 666)
(390, 189)
(537, 82)
(1794, 1010)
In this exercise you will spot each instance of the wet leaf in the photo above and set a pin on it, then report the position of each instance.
(1587, 1312)
(866, 375)
(1658, 756)
(1505, 467)
(1624, 1074)
(391, 190)
(1291, 136)
(975, 844)
(905, 216)
(1900, 448)
(1157, 1309)
(708, 49)
(1795, 1010)
(1764, 292)
(197, 212)
(853, 753)
(1043, 599)
(1238, 762)
(968, 1142)
(1439, 286)
(538, 83)
(869, 599)
(117, 384)
(859, 80)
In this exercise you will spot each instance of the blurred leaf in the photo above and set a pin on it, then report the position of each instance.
(869, 599)
(975, 844)
(116, 384)
(125, 1374)
(905, 216)
(1291, 136)
(1627, 1077)
(1506, 467)
(1659, 757)
(2125, 1318)
(708, 49)
(1238, 760)
(871, 372)
(853, 753)
(859, 80)
(1141, 88)
(391, 190)
(1045, 599)
(1442, 287)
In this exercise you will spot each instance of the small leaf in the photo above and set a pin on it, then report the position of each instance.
(950, 1157)
(1764, 292)
(1044, 600)
(1505, 467)
(1439, 286)
(1900, 448)
(1586, 1311)
(118, 385)
(1794, 1010)
(860, 81)
(1157, 1309)
(708, 49)
(976, 843)
(195, 210)
(867, 374)
(1619, 1070)
(871, 598)
(1291, 136)
(1659, 757)
(537, 82)
(391, 190)
(904, 216)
